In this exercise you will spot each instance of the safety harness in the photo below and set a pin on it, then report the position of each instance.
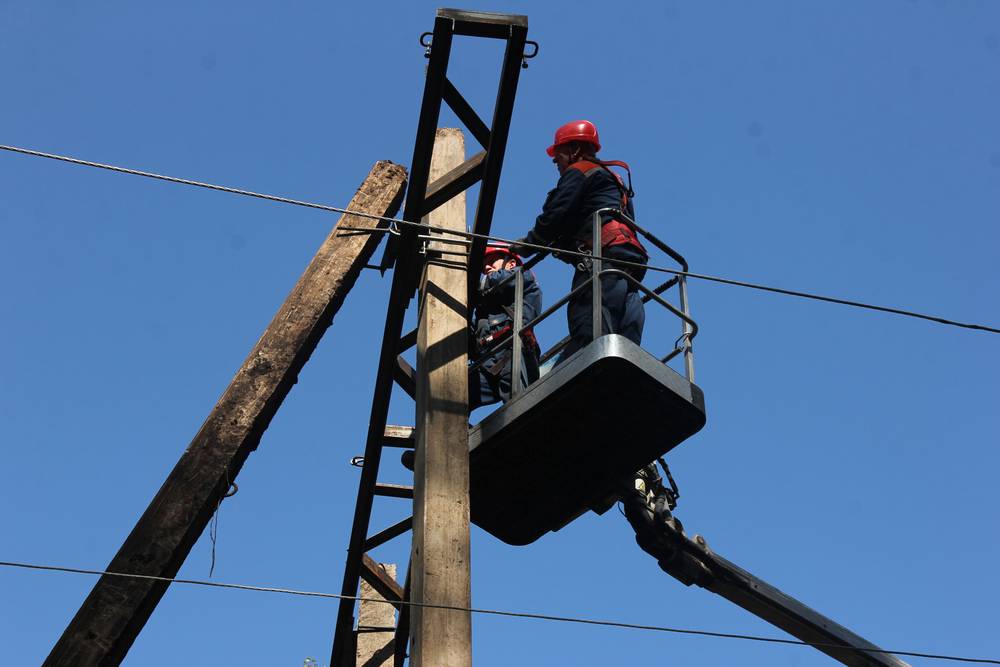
(503, 330)
(613, 232)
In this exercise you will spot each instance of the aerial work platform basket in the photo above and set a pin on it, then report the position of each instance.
(568, 442)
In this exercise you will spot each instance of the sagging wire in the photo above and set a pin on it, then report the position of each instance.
(213, 530)
(499, 612)
(541, 248)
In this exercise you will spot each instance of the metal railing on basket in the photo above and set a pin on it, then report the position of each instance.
(682, 345)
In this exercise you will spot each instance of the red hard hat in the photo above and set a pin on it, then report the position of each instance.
(501, 248)
(577, 130)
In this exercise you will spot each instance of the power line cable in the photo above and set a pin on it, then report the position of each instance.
(570, 253)
(186, 181)
(725, 281)
(497, 612)
(565, 619)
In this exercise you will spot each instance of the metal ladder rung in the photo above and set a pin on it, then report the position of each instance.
(400, 436)
(394, 490)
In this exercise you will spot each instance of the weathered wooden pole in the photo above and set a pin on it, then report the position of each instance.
(440, 556)
(118, 607)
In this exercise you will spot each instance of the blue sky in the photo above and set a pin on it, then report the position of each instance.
(845, 148)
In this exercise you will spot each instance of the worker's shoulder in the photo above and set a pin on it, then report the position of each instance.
(585, 167)
(581, 173)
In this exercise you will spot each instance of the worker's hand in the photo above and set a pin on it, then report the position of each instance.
(518, 247)
(482, 329)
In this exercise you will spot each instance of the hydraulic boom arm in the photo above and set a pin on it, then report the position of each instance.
(660, 534)
(761, 599)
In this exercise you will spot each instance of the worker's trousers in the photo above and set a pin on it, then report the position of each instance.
(621, 303)
(491, 382)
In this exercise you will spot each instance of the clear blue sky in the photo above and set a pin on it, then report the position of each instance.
(846, 148)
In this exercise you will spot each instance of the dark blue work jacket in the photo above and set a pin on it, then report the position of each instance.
(491, 313)
(567, 215)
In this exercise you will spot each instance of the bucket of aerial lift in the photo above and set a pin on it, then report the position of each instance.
(570, 441)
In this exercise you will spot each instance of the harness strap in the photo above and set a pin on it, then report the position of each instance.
(613, 232)
(587, 167)
(528, 336)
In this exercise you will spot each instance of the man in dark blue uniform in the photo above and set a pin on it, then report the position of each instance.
(490, 382)
(587, 184)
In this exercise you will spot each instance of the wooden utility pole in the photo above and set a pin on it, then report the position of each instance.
(118, 607)
(440, 556)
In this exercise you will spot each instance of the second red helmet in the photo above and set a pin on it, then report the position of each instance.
(577, 130)
(497, 249)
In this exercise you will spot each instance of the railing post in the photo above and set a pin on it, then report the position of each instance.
(595, 276)
(686, 330)
(516, 344)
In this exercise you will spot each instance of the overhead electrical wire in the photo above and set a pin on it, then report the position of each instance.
(548, 617)
(336, 209)
(499, 612)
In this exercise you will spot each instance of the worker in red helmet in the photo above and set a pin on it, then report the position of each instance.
(490, 381)
(587, 184)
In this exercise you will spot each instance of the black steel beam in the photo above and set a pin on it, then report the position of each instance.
(458, 180)
(466, 114)
(403, 281)
(423, 146)
(393, 531)
(404, 376)
(394, 491)
(342, 653)
(408, 340)
(420, 199)
(483, 24)
(503, 111)
(379, 579)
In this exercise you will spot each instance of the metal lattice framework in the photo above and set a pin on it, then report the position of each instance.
(421, 198)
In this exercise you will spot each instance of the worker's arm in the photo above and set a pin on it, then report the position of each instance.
(504, 294)
(560, 213)
(489, 281)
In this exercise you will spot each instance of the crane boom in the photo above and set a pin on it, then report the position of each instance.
(691, 561)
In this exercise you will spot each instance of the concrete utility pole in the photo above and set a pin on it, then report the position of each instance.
(440, 556)
(376, 624)
(118, 607)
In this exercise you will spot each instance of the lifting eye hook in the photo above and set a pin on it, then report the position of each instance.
(526, 56)
(426, 41)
